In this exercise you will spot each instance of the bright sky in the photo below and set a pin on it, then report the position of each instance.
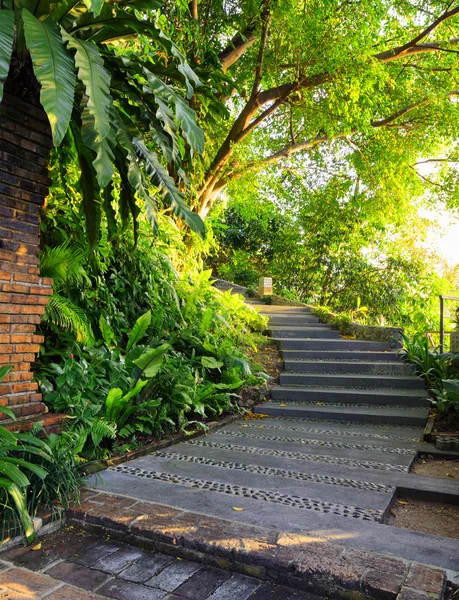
(446, 238)
(444, 233)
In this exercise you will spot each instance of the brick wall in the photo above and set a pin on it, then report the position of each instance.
(25, 143)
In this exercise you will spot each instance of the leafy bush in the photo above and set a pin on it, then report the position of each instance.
(447, 397)
(433, 367)
(33, 472)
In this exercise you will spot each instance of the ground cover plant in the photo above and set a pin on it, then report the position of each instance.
(441, 373)
(34, 473)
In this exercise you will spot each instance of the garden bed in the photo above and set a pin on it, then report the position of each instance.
(435, 518)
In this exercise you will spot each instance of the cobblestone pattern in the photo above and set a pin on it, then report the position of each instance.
(352, 423)
(352, 483)
(366, 464)
(337, 432)
(310, 442)
(342, 510)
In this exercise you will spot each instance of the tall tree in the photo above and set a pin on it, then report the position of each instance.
(308, 73)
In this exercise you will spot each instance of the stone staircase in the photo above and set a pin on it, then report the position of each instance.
(329, 377)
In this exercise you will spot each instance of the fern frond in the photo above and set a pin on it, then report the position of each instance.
(64, 314)
(63, 264)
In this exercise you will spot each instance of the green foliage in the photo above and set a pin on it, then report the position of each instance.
(439, 371)
(179, 363)
(64, 265)
(332, 247)
(33, 472)
(105, 98)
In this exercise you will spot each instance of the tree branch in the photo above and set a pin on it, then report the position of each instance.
(238, 45)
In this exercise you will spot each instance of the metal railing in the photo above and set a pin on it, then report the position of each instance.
(442, 319)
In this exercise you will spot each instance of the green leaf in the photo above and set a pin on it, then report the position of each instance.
(54, 68)
(7, 436)
(110, 213)
(13, 473)
(211, 363)
(89, 189)
(151, 360)
(6, 45)
(165, 183)
(18, 498)
(139, 330)
(106, 330)
(95, 6)
(113, 398)
(3, 373)
(25, 464)
(96, 79)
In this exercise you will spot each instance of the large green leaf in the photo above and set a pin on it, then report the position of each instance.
(185, 115)
(55, 70)
(6, 45)
(139, 330)
(19, 500)
(96, 79)
(166, 185)
(151, 360)
(89, 189)
(94, 6)
(25, 464)
(103, 162)
(13, 473)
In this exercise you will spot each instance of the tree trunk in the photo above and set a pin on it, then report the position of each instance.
(25, 144)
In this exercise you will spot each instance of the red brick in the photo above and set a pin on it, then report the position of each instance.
(16, 287)
(25, 387)
(33, 310)
(5, 276)
(27, 278)
(27, 348)
(41, 291)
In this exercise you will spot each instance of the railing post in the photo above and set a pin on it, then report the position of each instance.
(442, 325)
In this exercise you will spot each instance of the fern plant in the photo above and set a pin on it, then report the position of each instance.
(64, 264)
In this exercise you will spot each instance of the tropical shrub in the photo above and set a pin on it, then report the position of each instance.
(110, 106)
(33, 472)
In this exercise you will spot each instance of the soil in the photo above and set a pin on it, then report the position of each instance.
(436, 518)
(437, 467)
(268, 360)
(446, 424)
(452, 591)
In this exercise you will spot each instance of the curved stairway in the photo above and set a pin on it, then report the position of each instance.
(328, 377)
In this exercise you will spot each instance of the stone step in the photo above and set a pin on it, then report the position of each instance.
(387, 415)
(341, 355)
(304, 332)
(301, 319)
(401, 397)
(272, 309)
(328, 344)
(352, 380)
(349, 366)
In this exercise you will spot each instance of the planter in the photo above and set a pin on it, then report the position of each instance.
(454, 342)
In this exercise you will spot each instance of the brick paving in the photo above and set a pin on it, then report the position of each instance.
(75, 565)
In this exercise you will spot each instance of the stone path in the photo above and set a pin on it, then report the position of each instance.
(72, 565)
(343, 428)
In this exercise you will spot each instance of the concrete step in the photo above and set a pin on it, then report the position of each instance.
(341, 355)
(401, 397)
(301, 319)
(353, 380)
(389, 415)
(273, 309)
(341, 366)
(328, 344)
(321, 332)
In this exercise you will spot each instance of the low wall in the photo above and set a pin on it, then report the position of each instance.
(392, 335)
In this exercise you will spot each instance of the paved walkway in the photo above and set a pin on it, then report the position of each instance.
(72, 565)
